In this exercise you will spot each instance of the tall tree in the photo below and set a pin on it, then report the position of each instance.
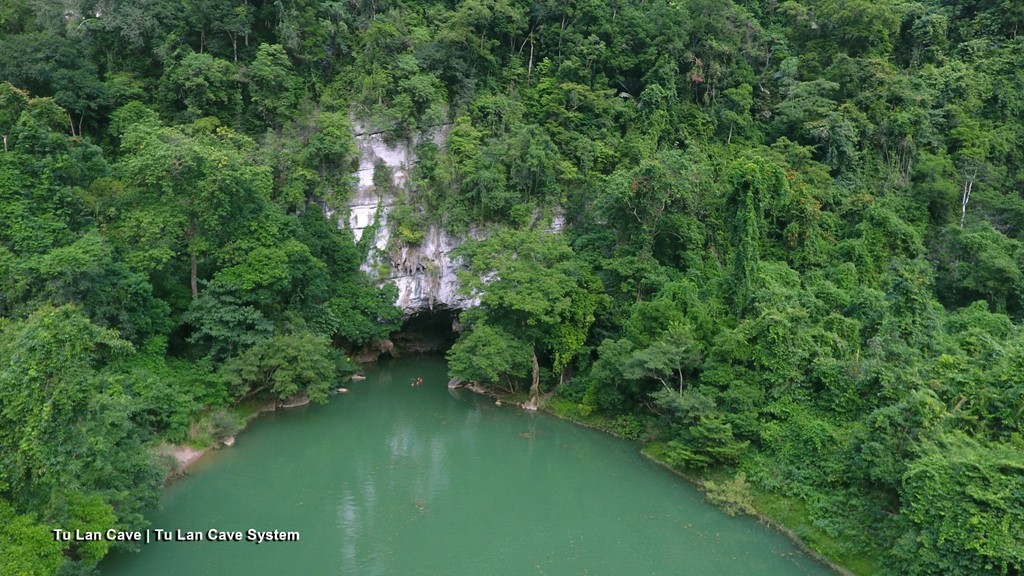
(191, 191)
(752, 185)
(531, 285)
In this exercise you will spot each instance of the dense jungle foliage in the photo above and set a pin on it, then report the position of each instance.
(793, 253)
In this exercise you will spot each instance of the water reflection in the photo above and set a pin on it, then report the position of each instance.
(394, 479)
(416, 473)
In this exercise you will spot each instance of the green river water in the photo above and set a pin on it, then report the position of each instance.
(398, 480)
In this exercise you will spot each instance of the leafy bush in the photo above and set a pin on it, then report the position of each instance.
(629, 426)
(732, 495)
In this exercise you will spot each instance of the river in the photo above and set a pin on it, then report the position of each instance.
(392, 479)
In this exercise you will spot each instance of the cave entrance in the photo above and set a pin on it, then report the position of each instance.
(427, 331)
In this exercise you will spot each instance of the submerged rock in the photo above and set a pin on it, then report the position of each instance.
(455, 383)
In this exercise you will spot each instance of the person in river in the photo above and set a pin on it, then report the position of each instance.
(417, 382)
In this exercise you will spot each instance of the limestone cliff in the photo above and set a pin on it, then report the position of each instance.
(424, 274)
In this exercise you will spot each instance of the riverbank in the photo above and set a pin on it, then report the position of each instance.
(744, 503)
(213, 431)
(720, 487)
(785, 515)
(378, 481)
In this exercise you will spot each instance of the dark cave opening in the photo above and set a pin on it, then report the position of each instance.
(427, 331)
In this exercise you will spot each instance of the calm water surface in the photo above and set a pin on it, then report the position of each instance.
(399, 480)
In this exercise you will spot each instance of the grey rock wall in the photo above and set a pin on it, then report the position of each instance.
(424, 274)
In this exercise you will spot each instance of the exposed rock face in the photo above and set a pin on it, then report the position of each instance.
(373, 349)
(424, 274)
(367, 203)
(295, 401)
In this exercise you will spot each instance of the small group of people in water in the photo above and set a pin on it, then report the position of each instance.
(417, 382)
